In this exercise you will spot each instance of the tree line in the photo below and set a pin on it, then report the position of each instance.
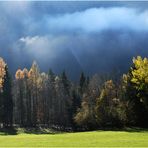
(35, 98)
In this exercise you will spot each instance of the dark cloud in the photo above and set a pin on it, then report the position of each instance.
(75, 36)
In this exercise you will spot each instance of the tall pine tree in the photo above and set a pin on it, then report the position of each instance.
(7, 100)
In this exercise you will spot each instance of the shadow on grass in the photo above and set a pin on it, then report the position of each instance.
(39, 130)
(135, 129)
(32, 130)
(126, 129)
(8, 131)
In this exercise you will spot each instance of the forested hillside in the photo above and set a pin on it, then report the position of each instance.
(35, 98)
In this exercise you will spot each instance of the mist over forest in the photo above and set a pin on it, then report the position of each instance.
(73, 36)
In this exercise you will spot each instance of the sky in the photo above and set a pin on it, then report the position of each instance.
(89, 36)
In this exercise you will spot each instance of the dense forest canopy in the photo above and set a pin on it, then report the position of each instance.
(92, 83)
(34, 98)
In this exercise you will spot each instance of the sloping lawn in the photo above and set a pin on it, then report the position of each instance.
(81, 139)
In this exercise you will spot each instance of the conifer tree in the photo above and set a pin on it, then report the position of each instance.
(8, 102)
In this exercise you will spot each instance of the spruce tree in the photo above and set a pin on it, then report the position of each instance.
(7, 100)
(82, 82)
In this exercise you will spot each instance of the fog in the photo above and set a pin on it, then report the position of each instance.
(91, 37)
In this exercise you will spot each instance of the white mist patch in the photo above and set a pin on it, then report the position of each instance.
(42, 46)
(30, 40)
(100, 19)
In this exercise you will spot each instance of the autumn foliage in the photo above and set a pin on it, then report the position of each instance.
(34, 98)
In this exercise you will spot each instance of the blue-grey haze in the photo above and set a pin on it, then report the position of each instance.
(73, 36)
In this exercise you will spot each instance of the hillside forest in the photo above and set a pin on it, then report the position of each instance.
(33, 98)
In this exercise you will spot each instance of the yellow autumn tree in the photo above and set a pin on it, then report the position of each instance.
(33, 77)
(25, 72)
(2, 72)
(19, 74)
(140, 78)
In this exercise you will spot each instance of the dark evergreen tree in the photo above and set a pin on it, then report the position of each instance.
(51, 102)
(1, 108)
(66, 83)
(82, 82)
(8, 102)
(51, 75)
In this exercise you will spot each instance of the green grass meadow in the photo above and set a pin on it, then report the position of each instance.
(80, 139)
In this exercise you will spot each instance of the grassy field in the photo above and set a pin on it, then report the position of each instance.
(138, 138)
